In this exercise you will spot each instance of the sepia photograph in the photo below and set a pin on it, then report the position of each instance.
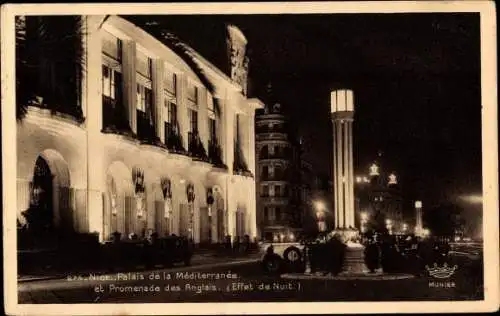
(268, 153)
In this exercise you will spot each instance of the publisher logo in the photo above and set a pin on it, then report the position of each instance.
(443, 272)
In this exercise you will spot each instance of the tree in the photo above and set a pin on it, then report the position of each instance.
(443, 219)
(49, 64)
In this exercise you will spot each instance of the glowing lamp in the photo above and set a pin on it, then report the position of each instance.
(364, 216)
(393, 179)
(342, 101)
(374, 170)
(358, 179)
(388, 222)
(320, 206)
(418, 204)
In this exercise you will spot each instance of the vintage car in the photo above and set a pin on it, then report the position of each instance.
(280, 257)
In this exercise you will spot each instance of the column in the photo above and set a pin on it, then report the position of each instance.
(351, 175)
(334, 176)
(130, 82)
(340, 189)
(251, 143)
(182, 113)
(345, 176)
(159, 98)
(92, 101)
(228, 135)
(203, 116)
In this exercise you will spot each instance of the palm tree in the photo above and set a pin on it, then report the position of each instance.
(49, 64)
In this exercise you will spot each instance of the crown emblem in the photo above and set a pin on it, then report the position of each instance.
(441, 272)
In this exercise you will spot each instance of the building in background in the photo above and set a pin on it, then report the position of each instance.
(378, 198)
(283, 177)
(155, 139)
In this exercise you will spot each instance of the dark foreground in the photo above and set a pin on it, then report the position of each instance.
(246, 282)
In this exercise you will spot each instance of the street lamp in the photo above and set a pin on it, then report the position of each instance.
(405, 227)
(388, 225)
(320, 214)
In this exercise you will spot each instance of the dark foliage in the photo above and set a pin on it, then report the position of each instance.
(49, 64)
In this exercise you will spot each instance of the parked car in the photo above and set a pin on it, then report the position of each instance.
(282, 257)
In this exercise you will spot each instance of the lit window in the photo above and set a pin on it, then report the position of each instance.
(192, 93)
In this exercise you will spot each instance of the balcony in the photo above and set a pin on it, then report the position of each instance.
(274, 200)
(271, 136)
(281, 156)
(195, 147)
(215, 154)
(114, 117)
(274, 177)
(146, 131)
(173, 139)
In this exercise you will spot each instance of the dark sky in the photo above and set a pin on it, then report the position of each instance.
(416, 81)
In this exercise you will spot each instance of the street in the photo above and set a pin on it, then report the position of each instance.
(245, 281)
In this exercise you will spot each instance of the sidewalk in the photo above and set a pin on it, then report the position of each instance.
(199, 260)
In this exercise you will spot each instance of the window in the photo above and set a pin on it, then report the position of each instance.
(192, 93)
(111, 46)
(278, 172)
(144, 98)
(266, 212)
(272, 214)
(172, 113)
(237, 128)
(193, 121)
(111, 83)
(271, 150)
(265, 190)
(276, 150)
(277, 190)
(278, 214)
(213, 129)
(265, 172)
(170, 82)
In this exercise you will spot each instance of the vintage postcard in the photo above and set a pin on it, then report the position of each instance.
(250, 158)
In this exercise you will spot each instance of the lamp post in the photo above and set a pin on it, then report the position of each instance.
(320, 215)
(388, 225)
(405, 228)
(418, 213)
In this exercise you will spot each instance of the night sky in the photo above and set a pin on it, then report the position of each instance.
(416, 81)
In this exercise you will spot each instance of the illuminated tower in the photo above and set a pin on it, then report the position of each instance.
(418, 224)
(342, 108)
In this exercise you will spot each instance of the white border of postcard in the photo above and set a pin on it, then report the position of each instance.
(489, 158)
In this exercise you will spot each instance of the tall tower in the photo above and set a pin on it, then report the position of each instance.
(342, 108)
(418, 224)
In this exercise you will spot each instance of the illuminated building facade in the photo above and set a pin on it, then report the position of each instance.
(164, 142)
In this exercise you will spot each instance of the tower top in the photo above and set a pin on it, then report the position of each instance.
(342, 101)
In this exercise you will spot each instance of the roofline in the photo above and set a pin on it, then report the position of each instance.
(213, 69)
